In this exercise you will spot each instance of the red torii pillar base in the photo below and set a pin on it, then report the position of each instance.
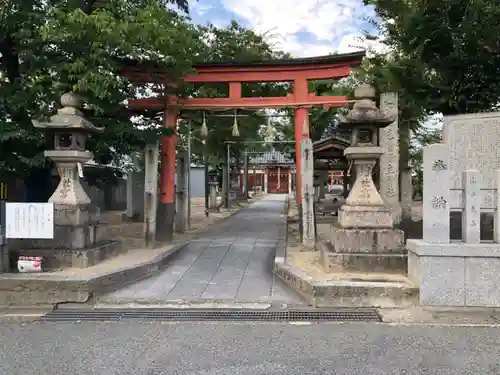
(166, 207)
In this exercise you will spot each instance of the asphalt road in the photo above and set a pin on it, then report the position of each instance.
(141, 348)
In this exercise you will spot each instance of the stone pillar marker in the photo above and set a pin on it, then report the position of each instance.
(151, 156)
(135, 195)
(225, 183)
(245, 175)
(213, 195)
(307, 173)
(471, 214)
(435, 204)
(389, 160)
(289, 182)
(265, 181)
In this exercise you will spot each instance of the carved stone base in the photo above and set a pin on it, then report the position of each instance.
(365, 217)
(80, 239)
(365, 250)
(54, 259)
(75, 215)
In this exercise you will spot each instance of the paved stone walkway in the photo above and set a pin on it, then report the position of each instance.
(230, 263)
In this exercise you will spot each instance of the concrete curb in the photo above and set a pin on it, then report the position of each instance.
(341, 293)
(46, 288)
(346, 293)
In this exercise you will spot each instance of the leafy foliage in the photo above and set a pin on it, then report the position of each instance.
(420, 140)
(446, 52)
(53, 46)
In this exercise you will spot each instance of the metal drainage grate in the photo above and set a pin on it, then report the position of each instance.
(212, 315)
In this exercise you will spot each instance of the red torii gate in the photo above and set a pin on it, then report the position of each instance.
(298, 71)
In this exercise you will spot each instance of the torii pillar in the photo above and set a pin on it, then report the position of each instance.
(166, 207)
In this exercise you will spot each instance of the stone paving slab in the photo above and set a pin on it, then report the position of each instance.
(231, 262)
(79, 285)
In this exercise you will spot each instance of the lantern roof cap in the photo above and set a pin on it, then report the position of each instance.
(69, 117)
(365, 111)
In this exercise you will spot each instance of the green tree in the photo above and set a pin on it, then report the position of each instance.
(419, 141)
(446, 51)
(52, 46)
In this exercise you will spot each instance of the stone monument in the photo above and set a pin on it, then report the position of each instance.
(80, 239)
(456, 273)
(308, 197)
(364, 238)
(389, 160)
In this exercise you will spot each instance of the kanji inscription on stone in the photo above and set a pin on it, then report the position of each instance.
(389, 160)
(307, 162)
(472, 141)
(471, 214)
(435, 208)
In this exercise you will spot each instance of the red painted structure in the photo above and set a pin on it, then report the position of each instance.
(297, 71)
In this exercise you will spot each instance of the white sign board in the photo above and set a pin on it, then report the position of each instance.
(29, 220)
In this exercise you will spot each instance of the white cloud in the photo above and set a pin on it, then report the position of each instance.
(333, 23)
(354, 42)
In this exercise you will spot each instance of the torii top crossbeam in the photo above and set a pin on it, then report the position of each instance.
(297, 71)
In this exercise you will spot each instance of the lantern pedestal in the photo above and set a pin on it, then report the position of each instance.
(364, 207)
(69, 191)
(364, 239)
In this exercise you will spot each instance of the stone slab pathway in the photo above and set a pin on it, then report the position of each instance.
(232, 262)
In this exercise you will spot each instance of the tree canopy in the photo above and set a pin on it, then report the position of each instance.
(444, 52)
(49, 47)
(53, 46)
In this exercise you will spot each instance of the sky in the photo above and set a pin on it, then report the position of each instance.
(303, 28)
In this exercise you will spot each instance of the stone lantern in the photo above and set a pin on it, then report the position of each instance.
(364, 207)
(79, 239)
(364, 239)
(70, 131)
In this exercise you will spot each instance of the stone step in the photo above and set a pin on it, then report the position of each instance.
(388, 291)
(365, 262)
(349, 293)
